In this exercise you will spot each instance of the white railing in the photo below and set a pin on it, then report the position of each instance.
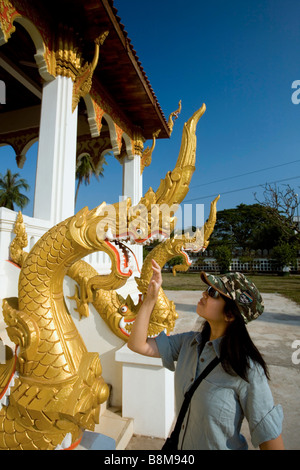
(258, 265)
(35, 228)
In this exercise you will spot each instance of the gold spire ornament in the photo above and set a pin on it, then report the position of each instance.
(173, 116)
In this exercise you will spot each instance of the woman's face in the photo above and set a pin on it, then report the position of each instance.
(211, 309)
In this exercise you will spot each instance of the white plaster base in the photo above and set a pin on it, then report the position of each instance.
(147, 393)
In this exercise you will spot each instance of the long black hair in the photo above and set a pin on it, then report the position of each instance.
(236, 348)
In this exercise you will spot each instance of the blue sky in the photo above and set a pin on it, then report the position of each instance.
(240, 58)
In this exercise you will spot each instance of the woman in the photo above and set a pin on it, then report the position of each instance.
(237, 387)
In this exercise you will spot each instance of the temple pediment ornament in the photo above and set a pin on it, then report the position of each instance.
(146, 155)
(64, 58)
(69, 63)
(61, 55)
(8, 14)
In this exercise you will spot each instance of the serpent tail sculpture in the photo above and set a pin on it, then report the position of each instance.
(55, 384)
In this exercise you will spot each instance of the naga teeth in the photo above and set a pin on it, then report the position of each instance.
(131, 263)
(123, 323)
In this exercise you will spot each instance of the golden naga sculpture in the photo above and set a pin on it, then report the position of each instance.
(119, 313)
(51, 388)
(147, 153)
(207, 229)
(173, 116)
(83, 80)
(19, 242)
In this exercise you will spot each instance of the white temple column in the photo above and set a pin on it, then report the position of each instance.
(56, 164)
(132, 178)
(133, 188)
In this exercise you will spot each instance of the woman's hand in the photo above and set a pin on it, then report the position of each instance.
(155, 283)
(138, 340)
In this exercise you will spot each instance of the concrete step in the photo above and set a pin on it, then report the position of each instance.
(113, 425)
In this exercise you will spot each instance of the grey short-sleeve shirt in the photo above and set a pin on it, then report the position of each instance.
(221, 401)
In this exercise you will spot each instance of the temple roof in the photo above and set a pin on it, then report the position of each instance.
(119, 70)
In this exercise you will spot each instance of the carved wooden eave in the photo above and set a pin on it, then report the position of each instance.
(119, 70)
(40, 41)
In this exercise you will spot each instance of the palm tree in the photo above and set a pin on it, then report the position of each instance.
(86, 168)
(10, 187)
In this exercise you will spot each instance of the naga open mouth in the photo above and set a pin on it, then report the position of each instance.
(124, 256)
(191, 248)
(187, 258)
(125, 326)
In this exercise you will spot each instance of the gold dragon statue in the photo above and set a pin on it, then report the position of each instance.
(119, 313)
(51, 387)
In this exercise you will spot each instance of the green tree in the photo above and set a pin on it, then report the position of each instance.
(10, 190)
(284, 255)
(246, 227)
(86, 168)
(223, 257)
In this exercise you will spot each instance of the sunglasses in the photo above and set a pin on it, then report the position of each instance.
(213, 293)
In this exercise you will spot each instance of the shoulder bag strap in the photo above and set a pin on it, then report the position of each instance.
(187, 398)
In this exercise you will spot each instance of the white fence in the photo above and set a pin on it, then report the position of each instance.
(258, 265)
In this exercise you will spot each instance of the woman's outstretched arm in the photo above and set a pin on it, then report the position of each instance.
(138, 340)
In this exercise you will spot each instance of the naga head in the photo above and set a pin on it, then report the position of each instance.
(184, 244)
(93, 229)
(154, 215)
(120, 313)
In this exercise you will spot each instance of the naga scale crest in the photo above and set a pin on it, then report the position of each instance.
(51, 387)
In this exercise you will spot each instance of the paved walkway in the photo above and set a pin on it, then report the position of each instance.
(273, 333)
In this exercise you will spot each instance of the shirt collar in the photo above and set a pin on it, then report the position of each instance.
(216, 343)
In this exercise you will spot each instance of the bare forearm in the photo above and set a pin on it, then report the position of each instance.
(274, 444)
(140, 327)
(138, 340)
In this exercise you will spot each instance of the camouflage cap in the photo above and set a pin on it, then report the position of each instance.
(241, 290)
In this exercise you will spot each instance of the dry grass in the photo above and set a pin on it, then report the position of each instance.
(288, 286)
